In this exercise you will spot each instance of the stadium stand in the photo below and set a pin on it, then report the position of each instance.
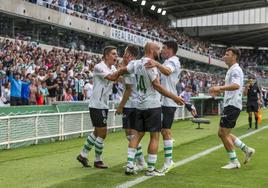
(115, 13)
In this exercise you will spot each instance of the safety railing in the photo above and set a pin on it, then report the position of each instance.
(21, 130)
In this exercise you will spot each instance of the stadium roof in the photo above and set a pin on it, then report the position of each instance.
(256, 37)
(250, 35)
(190, 8)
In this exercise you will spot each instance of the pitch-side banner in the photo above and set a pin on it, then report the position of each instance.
(128, 37)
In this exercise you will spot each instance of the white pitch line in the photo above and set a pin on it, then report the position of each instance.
(185, 161)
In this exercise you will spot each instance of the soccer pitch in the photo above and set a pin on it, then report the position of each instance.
(54, 164)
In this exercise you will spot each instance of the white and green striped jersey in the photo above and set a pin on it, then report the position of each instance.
(148, 97)
(234, 75)
(102, 87)
(169, 82)
(130, 79)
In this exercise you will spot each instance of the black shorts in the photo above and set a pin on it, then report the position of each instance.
(148, 120)
(129, 118)
(190, 107)
(98, 117)
(252, 107)
(167, 116)
(230, 115)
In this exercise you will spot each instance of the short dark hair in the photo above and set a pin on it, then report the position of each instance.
(108, 49)
(235, 51)
(172, 44)
(133, 50)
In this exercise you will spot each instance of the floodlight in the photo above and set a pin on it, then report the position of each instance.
(143, 2)
(159, 10)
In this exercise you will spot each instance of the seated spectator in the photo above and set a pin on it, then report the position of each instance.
(186, 95)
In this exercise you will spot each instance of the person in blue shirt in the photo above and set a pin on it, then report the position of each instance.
(15, 91)
(25, 90)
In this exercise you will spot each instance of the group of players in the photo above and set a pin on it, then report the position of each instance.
(145, 110)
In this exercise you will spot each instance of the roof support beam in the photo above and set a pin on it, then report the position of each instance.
(243, 17)
(221, 7)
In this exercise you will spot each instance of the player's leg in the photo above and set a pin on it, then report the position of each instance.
(224, 134)
(139, 157)
(247, 150)
(167, 120)
(132, 149)
(95, 115)
(101, 133)
(126, 123)
(153, 125)
(227, 123)
(133, 143)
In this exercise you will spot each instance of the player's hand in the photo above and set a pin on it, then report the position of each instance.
(119, 110)
(122, 70)
(179, 100)
(214, 91)
(120, 65)
(150, 64)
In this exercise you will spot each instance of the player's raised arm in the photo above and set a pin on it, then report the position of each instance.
(157, 86)
(163, 69)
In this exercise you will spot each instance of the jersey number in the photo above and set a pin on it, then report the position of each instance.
(141, 84)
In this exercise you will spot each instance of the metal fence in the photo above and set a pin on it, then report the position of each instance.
(25, 130)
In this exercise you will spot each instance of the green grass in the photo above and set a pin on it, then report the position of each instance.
(206, 171)
(54, 164)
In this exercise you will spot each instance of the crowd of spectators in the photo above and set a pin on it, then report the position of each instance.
(131, 19)
(32, 75)
(199, 81)
(253, 61)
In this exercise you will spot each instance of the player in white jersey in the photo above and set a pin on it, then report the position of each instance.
(233, 90)
(103, 75)
(129, 103)
(170, 71)
(148, 115)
